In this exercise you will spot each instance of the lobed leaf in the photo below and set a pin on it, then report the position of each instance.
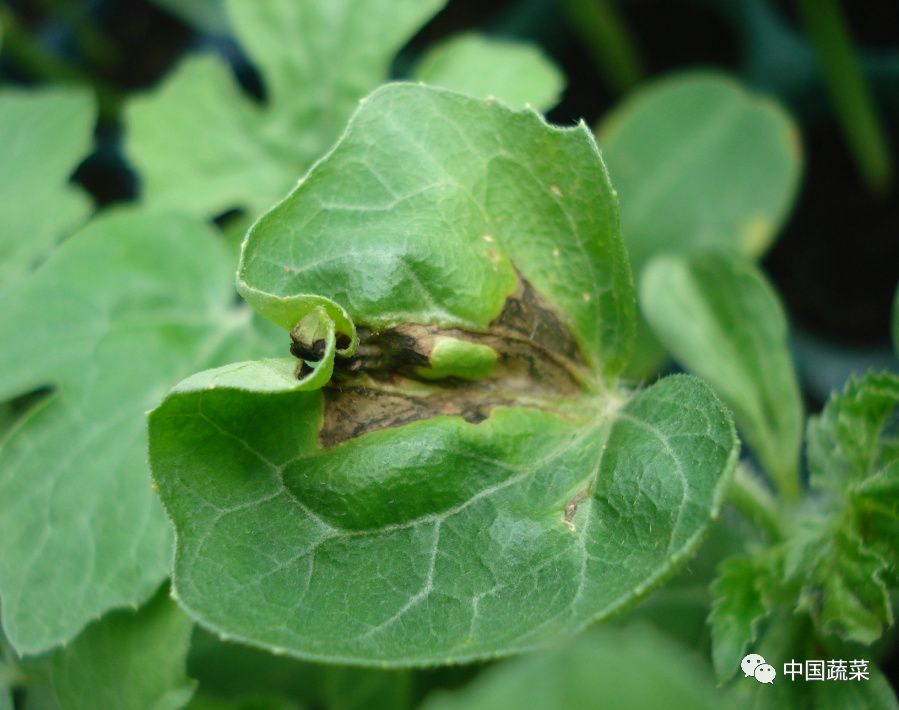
(202, 146)
(37, 205)
(121, 310)
(127, 660)
(719, 316)
(855, 440)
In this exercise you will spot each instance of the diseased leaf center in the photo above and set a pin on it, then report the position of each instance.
(394, 378)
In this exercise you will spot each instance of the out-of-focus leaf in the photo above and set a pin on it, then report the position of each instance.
(206, 15)
(118, 313)
(202, 146)
(698, 162)
(516, 73)
(230, 672)
(628, 668)
(719, 316)
(127, 660)
(44, 134)
(856, 438)
(737, 609)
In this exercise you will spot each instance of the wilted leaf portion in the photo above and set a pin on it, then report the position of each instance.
(414, 511)
(438, 540)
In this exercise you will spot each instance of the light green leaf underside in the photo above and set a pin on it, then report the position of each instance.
(630, 668)
(127, 661)
(516, 73)
(44, 134)
(119, 313)
(429, 204)
(698, 162)
(435, 541)
(719, 317)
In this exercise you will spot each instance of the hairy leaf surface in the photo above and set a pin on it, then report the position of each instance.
(402, 519)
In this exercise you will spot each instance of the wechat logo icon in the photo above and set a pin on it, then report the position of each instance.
(756, 666)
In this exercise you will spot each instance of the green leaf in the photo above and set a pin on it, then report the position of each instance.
(45, 134)
(118, 313)
(231, 672)
(737, 610)
(334, 524)
(127, 660)
(516, 73)
(698, 162)
(842, 580)
(337, 554)
(207, 15)
(856, 438)
(495, 197)
(719, 316)
(628, 668)
(204, 147)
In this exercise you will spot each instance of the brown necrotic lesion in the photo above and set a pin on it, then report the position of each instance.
(538, 364)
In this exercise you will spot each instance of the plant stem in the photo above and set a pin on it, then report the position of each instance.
(609, 41)
(755, 503)
(826, 27)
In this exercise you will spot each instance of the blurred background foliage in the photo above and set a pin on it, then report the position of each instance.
(834, 67)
